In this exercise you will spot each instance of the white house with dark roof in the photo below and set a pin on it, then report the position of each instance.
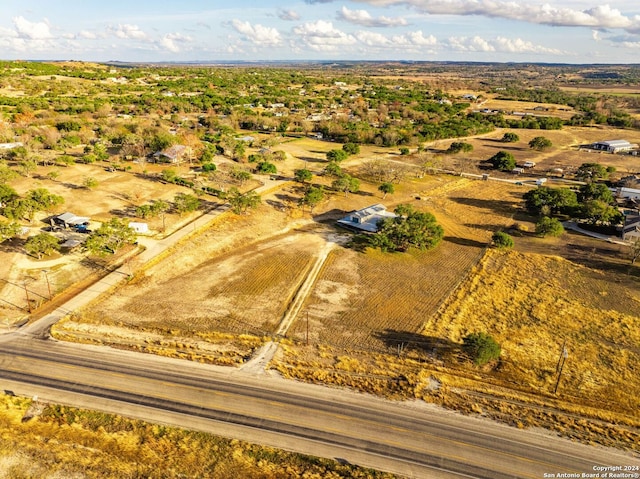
(366, 219)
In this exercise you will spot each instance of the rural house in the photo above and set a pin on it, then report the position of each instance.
(366, 219)
(173, 154)
(613, 146)
(631, 228)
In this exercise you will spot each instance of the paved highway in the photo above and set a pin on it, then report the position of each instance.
(412, 439)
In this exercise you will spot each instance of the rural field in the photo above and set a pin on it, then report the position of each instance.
(341, 313)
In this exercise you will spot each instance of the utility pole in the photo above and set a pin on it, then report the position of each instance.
(48, 284)
(26, 292)
(563, 358)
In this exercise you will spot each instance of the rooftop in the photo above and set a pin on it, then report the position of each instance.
(366, 219)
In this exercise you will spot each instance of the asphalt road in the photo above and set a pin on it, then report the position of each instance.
(411, 439)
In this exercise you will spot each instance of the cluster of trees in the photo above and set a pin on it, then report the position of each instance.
(410, 228)
(16, 207)
(592, 202)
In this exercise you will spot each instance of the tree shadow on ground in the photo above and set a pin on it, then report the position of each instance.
(404, 341)
(465, 242)
(13, 245)
(494, 205)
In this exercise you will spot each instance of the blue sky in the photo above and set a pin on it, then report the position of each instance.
(566, 31)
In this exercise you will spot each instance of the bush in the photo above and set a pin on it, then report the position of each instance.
(503, 161)
(481, 347)
(549, 227)
(502, 240)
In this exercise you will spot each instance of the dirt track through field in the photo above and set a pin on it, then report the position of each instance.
(264, 355)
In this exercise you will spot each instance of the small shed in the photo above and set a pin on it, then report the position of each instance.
(139, 228)
(69, 219)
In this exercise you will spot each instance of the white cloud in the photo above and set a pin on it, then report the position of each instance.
(127, 31)
(373, 39)
(364, 18)
(32, 30)
(258, 34)
(498, 44)
(87, 35)
(322, 36)
(174, 42)
(595, 34)
(288, 15)
(601, 16)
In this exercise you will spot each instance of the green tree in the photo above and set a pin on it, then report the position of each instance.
(410, 228)
(90, 182)
(169, 175)
(303, 175)
(6, 173)
(502, 240)
(347, 184)
(7, 193)
(333, 169)
(599, 212)
(209, 167)
(481, 347)
(459, 146)
(337, 156)
(312, 197)
(540, 143)
(591, 172)
(8, 229)
(266, 168)
(595, 191)
(404, 151)
(510, 137)
(110, 237)
(185, 203)
(42, 244)
(44, 200)
(545, 200)
(547, 226)
(243, 202)
(351, 148)
(240, 175)
(100, 152)
(503, 161)
(386, 188)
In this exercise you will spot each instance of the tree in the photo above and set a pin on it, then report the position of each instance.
(185, 203)
(169, 175)
(312, 197)
(267, 168)
(481, 347)
(303, 175)
(346, 184)
(7, 193)
(459, 146)
(6, 173)
(386, 188)
(333, 169)
(595, 191)
(44, 200)
(90, 182)
(42, 244)
(540, 143)
(337, 155)
(547, 226)
(410, 228)
(240, 175)
(209, 167)
(404, 151)
(242, 202)
(510, 137)
(591, 172)
(545, 200)
(599, 212)
(351, 148)
(110, 237)
(503, 161)
(8, 229)
(502, 240)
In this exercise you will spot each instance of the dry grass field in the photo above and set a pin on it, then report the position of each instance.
(44, 441)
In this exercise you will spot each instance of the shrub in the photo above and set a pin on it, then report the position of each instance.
(481, 347)
(549, 227)
(502, 240)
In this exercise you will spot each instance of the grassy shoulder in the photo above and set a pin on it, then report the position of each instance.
(48, 441)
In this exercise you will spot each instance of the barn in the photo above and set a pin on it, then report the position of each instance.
(613, 146)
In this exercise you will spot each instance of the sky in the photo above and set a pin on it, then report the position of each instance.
(565, 31)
